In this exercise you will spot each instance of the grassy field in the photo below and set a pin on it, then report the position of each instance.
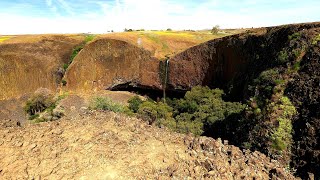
(38, 38)
(167, 43)
(159, 43)
(4, 38)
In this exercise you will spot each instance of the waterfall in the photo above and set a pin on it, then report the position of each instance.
(166, 70)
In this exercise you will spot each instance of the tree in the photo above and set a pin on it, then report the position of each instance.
(215, 29)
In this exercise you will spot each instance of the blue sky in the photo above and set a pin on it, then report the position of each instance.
(100, 16)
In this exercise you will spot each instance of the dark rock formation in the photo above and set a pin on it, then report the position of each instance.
(232, 63)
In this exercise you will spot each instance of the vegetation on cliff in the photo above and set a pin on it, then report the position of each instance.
(199, 108)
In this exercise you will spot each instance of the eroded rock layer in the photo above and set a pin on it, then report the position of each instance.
(27, 66)
(106, 63)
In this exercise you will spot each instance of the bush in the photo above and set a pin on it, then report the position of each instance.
(283, 57)
(77, 49)
(294, 36)
(42, 106)
(202, 107)
(184, 124)
(64, 82)
(65, 66)
(38, 103)
(215, 29)
(263, 86)
(106, 104)
(134, 103)
(282, 135)
(154, 112)
(89, 38)
(316, 39)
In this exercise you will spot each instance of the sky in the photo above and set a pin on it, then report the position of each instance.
(101, 16)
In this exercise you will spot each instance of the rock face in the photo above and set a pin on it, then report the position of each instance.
(107, 63)
(304, 90)
(232, 63)
(27, 66)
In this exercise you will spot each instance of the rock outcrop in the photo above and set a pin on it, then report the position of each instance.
(27, 66)
(232, 63)
(107, 63)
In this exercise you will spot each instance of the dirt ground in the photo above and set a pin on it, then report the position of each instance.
(105, 145)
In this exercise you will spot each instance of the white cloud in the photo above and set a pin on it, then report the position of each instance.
(153, 14)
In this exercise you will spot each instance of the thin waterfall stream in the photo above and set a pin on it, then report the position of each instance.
(166, 67)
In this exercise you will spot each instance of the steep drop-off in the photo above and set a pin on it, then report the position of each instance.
(35, 62)
(263, 67)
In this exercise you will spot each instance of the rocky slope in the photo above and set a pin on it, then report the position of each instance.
(104, 145)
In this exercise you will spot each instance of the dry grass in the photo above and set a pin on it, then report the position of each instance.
(4, 38)
(159, 43)
(162, 43)
(37, 38)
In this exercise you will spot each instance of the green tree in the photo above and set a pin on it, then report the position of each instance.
(215, 29)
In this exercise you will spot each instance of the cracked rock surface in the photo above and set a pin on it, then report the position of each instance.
(104, 145)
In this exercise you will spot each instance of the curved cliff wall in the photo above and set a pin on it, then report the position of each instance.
(107, 63)
(235, 64)
(232, 62)
(26, 66)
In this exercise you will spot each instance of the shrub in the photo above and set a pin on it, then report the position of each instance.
(64, 82)
(296, 66)
(202, 107)
(42, 106)
(38, 103)
(65, 66)
(75, 52)
(185, 124)
(265, 83)
(128, 30)
(294, 36)
(106, 104)
(282, 135)
(316, 39)
(283, 57)
(77, 49)
(134, 103)
(154, 112)
(89, 38)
